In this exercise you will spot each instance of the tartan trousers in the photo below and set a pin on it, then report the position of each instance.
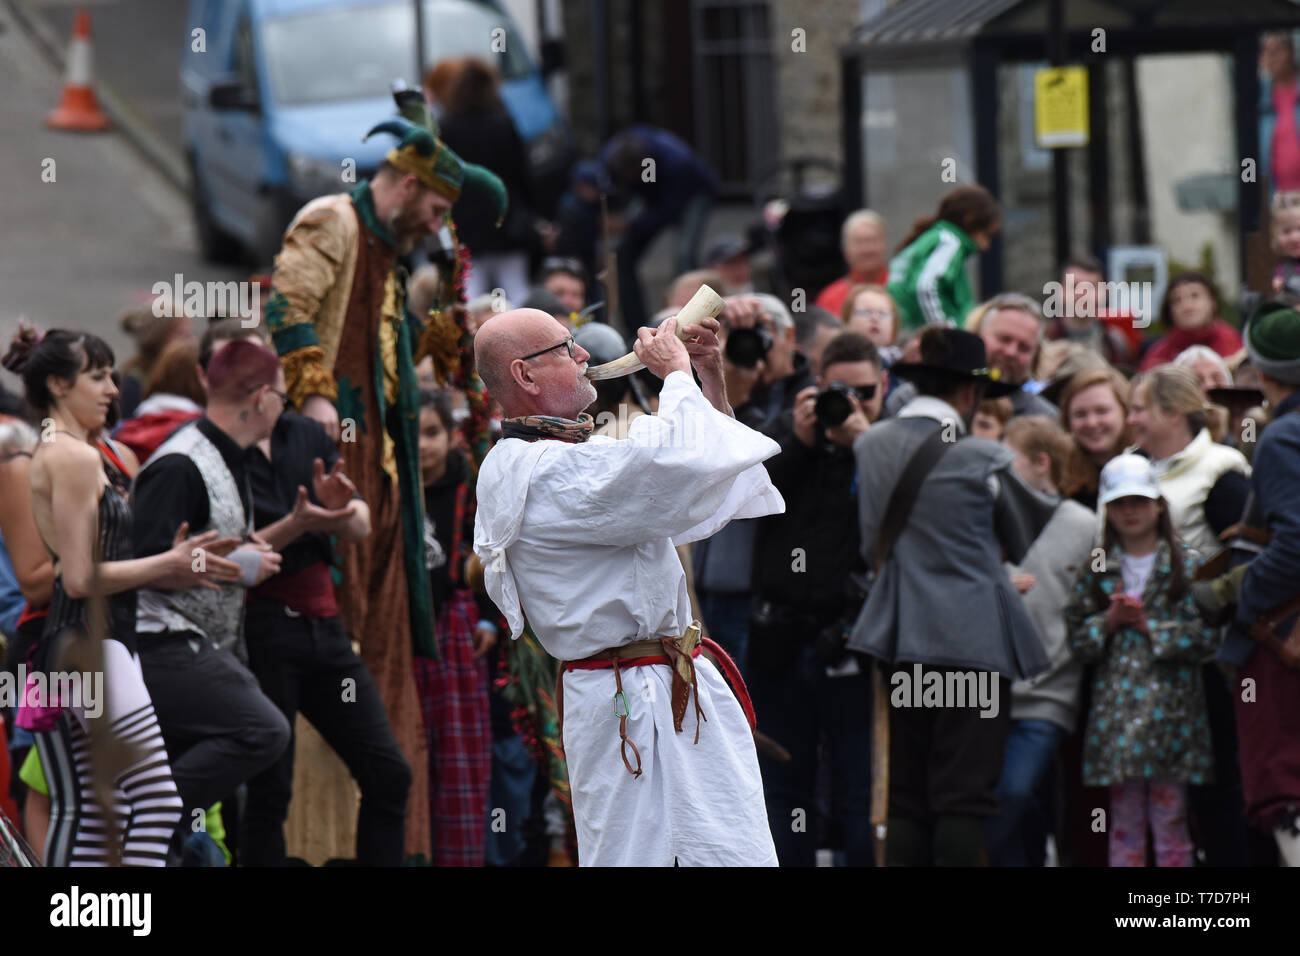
(453, 696)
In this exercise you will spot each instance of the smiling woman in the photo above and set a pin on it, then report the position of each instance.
(1094, 410)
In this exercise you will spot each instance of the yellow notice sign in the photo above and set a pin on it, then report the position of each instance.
(1061, 107)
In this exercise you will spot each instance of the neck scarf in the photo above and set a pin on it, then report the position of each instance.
(534, 427)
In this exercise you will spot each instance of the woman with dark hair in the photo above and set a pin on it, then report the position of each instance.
(79, 503)
(927, 277)
(1190, 314)
(477, 126)
(454, 690)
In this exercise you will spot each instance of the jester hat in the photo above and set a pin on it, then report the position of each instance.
(421, 152)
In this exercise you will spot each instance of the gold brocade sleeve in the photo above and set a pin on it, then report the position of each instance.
(298, 314)
(441, 341)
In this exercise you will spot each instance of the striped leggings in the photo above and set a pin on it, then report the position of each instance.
(146, 803)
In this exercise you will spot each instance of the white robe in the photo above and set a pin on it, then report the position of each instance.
(581, 537)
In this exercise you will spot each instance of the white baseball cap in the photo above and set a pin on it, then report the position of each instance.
(1126, 475)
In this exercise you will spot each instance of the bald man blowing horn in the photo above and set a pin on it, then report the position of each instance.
(577, 532)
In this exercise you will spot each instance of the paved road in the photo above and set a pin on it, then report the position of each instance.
(138, 46)
(78, 251)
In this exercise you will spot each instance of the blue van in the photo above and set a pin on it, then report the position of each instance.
(276, 95)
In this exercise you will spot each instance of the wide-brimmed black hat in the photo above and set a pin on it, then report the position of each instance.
(1236, 398)
(954, 355)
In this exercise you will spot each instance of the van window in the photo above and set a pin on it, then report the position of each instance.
(331, 55)
(465, 28)
(245, 66)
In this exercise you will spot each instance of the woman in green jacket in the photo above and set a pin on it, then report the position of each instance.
(927, 278)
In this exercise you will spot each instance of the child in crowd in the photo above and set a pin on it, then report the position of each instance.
(1148, 734)
(1191, 316)
(1044, 709)
(454, 690)
(1286, 241)
(927, 278)
(991, 417)
(869, 311)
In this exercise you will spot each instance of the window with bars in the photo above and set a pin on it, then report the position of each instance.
(735, 89)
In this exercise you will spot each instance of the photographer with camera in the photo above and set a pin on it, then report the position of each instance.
(809, 584)
(760, 328)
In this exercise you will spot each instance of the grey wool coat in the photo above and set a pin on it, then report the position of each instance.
(943, 597)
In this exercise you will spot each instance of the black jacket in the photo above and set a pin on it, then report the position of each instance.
(489, 138)
(768, 402)
(803, 557)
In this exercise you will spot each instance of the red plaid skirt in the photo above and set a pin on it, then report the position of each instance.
(454, 700)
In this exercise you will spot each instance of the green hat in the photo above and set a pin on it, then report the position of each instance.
(1273, 341)
(421, 152)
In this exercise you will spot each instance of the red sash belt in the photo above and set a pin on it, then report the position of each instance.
(669, 651)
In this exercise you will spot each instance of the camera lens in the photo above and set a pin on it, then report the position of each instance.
(832, 407)
(745, 348)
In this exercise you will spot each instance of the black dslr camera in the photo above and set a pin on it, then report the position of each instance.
(833, 406)
(747, 347)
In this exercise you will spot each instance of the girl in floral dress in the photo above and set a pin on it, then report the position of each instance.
(1148, 734)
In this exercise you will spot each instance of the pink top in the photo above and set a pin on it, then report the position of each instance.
(1284, 158)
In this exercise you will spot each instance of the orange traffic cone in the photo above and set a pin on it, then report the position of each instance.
(78, 110)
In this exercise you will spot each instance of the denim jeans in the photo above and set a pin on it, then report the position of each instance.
(815, 717)
(1017, 836)
(510, 790)
(727, 618)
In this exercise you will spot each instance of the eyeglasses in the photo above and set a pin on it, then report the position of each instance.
(882, 314)
(567, 343)
(864, 393)
(284, 396)
(562, 264)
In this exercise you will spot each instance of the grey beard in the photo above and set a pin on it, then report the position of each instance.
(583, 394)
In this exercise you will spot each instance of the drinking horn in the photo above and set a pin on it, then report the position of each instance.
(704, 304)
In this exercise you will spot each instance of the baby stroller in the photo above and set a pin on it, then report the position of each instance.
(801, 217)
